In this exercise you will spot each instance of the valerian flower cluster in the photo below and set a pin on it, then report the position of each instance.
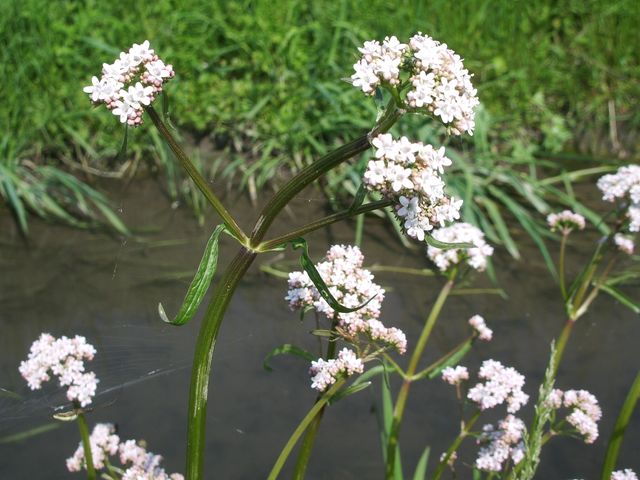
(352, 286)
(566, 221)
(624, 187)
(138, 463)
(410, 175)
(438, 82)
(475, 257)
(584, 411)
(64, 358)
(130, 83)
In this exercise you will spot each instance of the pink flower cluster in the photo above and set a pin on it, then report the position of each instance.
(440, 85)
(624, 243)
(475, 257)
(137, 462)
(585, 411)
(626, 474)
(502, 384)
(624, 185)
(565, 221)
(326, 372)
(351, 285)
(410, 175)
(501, 444)
(455, 375)
(480, 326)
(64, 358)
(130, 83)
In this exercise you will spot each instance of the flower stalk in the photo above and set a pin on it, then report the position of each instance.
(86, 445)
(403, 395)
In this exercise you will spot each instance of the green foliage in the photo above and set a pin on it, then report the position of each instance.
(262, 78)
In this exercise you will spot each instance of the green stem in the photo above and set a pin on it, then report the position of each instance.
(201, 371)
(312, 431)
(86, 446)
(328, 220)
(561, 344)
(401, 401)
(464, 432)
(629, 405)
(197, 178)
(310, 173)
(302, 426)
(563, 247)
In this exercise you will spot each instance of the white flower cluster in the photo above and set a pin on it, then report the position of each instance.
(326, 372)
(503, 384)
(624, 243)
(624, 185)
(410, 175)
(480, 326)
(501, 444)
(565, 221)
(130, 83)
(63, 357)
(585, 411)
(626, 474)
(440, 85)
(455, 375)
(105, 443)
(351, 285)
(460, 232)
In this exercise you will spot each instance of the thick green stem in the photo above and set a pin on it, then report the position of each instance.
(403, 395)
(201, 371)
(323, 222)
(312, 431)
(464, 432)
(318, 168)
(563, 247)
(200, 182)
(302, 426)
(86, 446)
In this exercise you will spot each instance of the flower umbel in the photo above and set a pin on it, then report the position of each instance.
(502, 384)
(624, 186)
(130, 83)
(63, 357)
(409, 174)
(566, 221)
(439, 85)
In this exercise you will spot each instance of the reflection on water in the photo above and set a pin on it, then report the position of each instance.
(66, 282)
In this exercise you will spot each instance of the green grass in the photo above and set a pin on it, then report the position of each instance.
(262, 79)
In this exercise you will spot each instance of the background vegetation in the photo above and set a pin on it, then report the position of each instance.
(261, 80)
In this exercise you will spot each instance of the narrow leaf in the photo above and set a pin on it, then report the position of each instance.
(199, 284)
(621, 297)
(314, 275)
(444, 245)
(345, 392)
(613, 448)
(449, 360)
(359, 197)
(287, 349)
(421, 467)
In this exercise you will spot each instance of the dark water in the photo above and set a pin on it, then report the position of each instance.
(66, 282)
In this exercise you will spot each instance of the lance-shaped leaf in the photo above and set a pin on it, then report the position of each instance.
(289, 349)
(199, 284)
(421, 467)
(444, 245)
(359, 197)
(621, 297)
(318, 282)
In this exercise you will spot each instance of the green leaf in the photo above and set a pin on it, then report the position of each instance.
(621, 297)
(446, 246)
(32, 432)
(421, 467)
(345, 392)
(624, 417)
(314, 275)
(359, 197)
(501, 226)
(448, 360)
(122, 153)
(287, 349)
(199, 284)
(320, 332)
